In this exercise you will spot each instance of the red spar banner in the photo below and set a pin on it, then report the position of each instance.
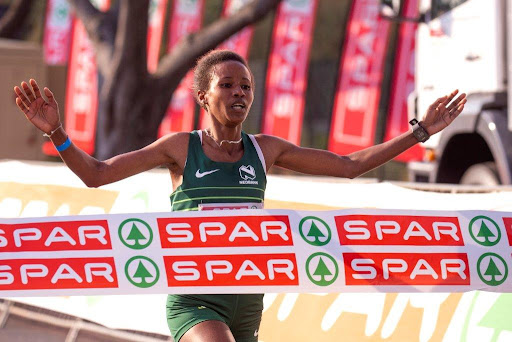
(403, 82)
(186, 18)
(57, 32)
(357, 97)
(287, 71)
(155, 30)
(81, 108)
(239, 42)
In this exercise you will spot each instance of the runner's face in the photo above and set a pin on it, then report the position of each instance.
(230, 96)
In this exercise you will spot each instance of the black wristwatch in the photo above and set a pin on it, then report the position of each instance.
(419, 132)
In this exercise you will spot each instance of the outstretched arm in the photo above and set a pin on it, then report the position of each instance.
(319, 162)
(45, 116)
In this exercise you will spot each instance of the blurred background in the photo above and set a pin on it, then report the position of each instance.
(329, 74)
(339, 75)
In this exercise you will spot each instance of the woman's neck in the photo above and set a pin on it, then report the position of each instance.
(226, 140)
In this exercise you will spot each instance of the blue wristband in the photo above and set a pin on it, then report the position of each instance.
(64, 146)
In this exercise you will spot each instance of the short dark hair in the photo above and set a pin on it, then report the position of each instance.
(204, 67)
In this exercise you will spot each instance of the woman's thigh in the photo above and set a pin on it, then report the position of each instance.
(208, 331)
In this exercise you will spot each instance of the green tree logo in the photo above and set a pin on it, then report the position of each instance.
(135, 233)
(322, 269)
(314, 231)
(484, 231)
(492, 269)
(141, 271)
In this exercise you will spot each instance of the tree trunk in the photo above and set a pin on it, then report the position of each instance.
(132, 101)
(13, 19)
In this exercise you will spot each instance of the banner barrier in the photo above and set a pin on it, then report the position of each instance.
(287, 72)
(35, 189)
(254, 251)
(357, 97)
(57, 32)
(186, 18)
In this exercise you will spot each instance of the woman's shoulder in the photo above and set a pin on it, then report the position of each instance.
(178, 138)
(269, 140)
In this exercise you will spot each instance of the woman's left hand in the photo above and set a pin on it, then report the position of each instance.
(441, 113)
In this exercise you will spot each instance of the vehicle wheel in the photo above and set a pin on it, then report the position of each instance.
(481, 174)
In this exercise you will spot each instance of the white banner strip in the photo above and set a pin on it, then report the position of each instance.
(256, 251)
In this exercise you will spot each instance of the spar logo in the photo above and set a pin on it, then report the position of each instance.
(57, 273)
(384, 269)
(484, 231)
(55, 236)
(399, 230)
(141, 271)
(492, 269)
(315, 231)
(248, 174)
(224, 231)
(322, 269)
(231, 270)
(135, 233)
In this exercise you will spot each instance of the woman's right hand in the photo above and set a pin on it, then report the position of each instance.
(44, 115)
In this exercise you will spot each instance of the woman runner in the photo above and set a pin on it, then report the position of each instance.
(221, 166)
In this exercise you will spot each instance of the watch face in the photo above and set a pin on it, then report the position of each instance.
(421, 134)
(413, 122)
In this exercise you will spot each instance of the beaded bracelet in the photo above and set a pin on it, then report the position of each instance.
(51, 132)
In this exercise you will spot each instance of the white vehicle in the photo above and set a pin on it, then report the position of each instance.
(464, 44)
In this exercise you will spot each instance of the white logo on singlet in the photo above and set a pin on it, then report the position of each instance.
(256, 332)
(200, 174)
(248, 174)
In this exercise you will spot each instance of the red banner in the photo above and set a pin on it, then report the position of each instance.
(358, 91)
(244, 270)
(155, 31)
(287, 71)
(406, 269)
(363, 230)
(186, 18)
(403, 82)
(240, 43)
(81, 108)
(225, 232)
(57, 32)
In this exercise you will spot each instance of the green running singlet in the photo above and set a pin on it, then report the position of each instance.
(209, 185)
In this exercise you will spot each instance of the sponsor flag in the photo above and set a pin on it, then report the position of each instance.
(155, 31)
(358, 92)
(186, 18)
(57, 32)
(240, 42)
(81, 107)
(288, 67)
(403, 82)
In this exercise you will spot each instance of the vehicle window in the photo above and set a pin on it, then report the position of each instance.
(440, 7)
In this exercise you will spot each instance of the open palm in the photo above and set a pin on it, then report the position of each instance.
(441, 113)
(44, 115)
